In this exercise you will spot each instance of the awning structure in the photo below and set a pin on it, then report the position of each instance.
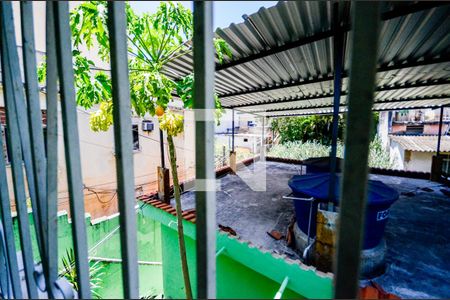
(421, 143)
(283, 64)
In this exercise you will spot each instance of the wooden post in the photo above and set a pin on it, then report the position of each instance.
(164, 184)
(233, 161)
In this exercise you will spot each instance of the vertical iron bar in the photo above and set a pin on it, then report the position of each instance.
(11, 90)
(204, 145)
(161, 145)
(232, 129)
(8, 228)
(52, 149)
(365, 20)
(34, 119)
(262, 154)
(440, 131)
(72, 144)
(338, 51)
(117, 25)
(19, 103)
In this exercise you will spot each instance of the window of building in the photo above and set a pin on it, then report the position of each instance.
(136, 146)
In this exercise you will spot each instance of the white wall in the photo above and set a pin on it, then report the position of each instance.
(383, 129)
(418, 161)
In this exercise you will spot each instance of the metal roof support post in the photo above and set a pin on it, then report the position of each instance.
(205, 197)
(440, 131)
(262, 153)
(232, 129)
(366, 20)
(338, 45)
(117, 25)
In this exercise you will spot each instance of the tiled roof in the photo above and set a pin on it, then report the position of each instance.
(421, 143)
(188, 215)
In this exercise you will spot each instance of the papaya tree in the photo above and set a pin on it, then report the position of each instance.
(154, 40)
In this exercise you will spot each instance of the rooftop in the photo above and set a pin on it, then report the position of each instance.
(422, 143)
(417, 241)
(283, 58)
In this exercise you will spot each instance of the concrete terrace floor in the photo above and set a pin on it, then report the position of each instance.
(417, 233)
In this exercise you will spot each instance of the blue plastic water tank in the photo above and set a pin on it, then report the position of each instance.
(380, 197)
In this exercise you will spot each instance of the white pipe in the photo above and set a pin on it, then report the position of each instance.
(220, 251)
(119, 260)
(282, 288)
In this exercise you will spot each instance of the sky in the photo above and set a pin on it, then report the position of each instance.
(225, 12)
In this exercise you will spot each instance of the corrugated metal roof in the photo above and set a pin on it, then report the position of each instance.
(297, 72)
(421, 143)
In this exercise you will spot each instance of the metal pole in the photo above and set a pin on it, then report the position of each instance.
(440, 131)
(232, 129)
(34, 119)
(72, 144)
(204, 144)
(52, 147)
(161, 145)
(338, 45)
(123, 140)
(365, 21)
(19, 143)
(262, 153)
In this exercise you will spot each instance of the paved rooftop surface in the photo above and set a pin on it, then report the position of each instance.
(417, 233)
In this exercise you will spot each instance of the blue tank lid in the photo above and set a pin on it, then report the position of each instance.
(317, 185)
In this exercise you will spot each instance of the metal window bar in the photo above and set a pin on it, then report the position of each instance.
(366, 20)
(117, 25)
(8, 230)
(52, 150)
(34, 120)
(71, 144)
(204, 144)
(21, 113)
(13, 137)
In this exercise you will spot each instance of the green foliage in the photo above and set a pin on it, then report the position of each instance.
(185, 90)
(304, 129)
(378, 157)
(70, 273)
(312, 128)
(303, 150)
(154, 41)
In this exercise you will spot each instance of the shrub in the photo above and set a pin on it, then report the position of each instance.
(378, 157)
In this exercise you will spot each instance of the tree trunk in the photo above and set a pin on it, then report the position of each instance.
(176, 188)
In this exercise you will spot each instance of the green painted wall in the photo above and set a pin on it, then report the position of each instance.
(149, 249)
(243, 271)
